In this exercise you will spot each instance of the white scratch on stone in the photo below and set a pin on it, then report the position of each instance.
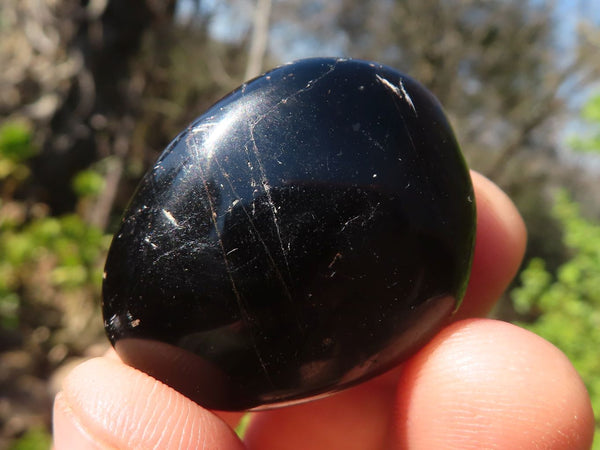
(349, 222)
(149, 242)
(201, 128)
(399, 91)
(267, 189)
(114, 321)
(170, 217)
(389, 85)
(407, 97)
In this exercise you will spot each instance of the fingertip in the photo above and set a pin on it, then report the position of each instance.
(501, 210)
(105, 404)
(499, 248)
(488, 384)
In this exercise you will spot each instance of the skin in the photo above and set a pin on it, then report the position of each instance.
(479, 383)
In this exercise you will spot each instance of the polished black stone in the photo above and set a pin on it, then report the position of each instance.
(309, 231)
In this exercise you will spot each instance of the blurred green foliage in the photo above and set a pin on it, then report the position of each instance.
(564, 307)
(241, 428)
(591, 115)
(65, 248)
(15, 141)
(88, 183)
(34, 439)
(50, 267)
(71, 246)
(16, 147)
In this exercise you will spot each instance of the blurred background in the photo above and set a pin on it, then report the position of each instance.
(91, 91)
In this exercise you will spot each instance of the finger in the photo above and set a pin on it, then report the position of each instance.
(230, 418)
(111, 354)
(106, 404)
(359, 417)
(488, 384)
(499, 248)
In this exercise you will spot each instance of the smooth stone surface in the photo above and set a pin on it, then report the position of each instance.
(309, 231)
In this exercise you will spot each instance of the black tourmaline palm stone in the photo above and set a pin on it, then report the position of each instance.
(308, 232)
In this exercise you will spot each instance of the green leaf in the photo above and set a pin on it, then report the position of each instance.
(591, 110)
(16, 141)
(33, 439)
(240, 430)
(88, 183)
(589, 142)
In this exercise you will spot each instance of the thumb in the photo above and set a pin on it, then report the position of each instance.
(106, 404)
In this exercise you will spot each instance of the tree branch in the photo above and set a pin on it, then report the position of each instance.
(259, 40)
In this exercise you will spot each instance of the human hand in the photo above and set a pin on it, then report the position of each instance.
(478, 384)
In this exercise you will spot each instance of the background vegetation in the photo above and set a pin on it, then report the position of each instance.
(92, 90)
